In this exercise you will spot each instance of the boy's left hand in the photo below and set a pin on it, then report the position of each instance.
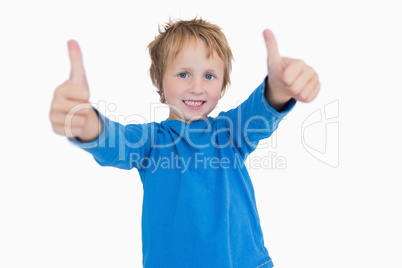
(288, 78)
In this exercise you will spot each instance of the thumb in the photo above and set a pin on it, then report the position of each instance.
(272, 47)
(77, 75)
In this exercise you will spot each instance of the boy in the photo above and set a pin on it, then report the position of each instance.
(199, 207)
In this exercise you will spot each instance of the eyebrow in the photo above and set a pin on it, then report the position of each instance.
(190, 69)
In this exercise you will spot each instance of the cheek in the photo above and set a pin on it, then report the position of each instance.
(216, 96)
(217, 93)
(171, 92)
(174, 93)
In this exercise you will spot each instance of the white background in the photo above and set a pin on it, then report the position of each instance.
(59, 208)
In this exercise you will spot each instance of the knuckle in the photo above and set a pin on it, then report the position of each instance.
(52, 117)
(300, 62)
(296, 90)
(54, 105)
(313, 74)
(316, 78)
(56, 129)
(59, 91)
(304, 96)
(318, 86)
(301, 95)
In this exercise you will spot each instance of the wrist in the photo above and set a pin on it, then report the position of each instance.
(93, 127)
(275, 97)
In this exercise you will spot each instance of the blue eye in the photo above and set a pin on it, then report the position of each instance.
(183, 75)
(209, 76)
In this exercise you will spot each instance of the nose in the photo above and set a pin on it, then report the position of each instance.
(197, 86)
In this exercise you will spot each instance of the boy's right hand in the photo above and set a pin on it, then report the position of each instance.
(71, 114)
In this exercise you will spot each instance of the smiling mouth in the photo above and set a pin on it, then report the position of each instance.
(194, 103)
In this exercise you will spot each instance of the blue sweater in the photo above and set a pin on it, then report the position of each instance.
(199, 208)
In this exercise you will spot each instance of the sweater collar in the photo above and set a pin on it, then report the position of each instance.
(180, 125)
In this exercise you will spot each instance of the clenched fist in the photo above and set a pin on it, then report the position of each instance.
(71, 113)
(288, 78)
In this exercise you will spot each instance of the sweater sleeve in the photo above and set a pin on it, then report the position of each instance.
(118, 145)
(254, 120)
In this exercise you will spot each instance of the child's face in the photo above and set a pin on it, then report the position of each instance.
(193, 77)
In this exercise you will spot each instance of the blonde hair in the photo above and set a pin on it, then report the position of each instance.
(165, 47)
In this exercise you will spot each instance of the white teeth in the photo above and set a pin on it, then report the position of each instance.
(193, 103)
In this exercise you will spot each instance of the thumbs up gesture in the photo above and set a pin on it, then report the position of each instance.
(71, 114)
(288, 78)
